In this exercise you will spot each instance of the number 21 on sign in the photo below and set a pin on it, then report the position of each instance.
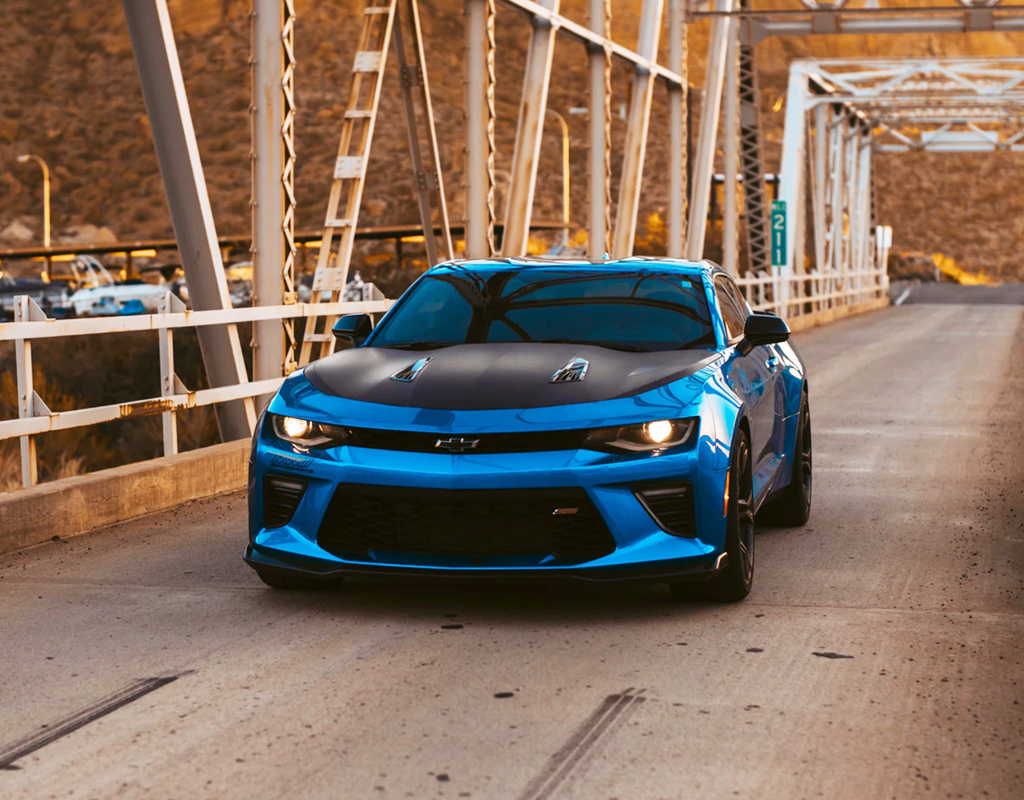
(778, 233)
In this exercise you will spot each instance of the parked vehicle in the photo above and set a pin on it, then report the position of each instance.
(51, 296)
(101, 295)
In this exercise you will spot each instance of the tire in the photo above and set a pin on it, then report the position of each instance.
(792, 508)
(298, 582)
(733, 583)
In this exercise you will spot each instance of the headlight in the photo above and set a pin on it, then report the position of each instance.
(644, 437)
(307, 433)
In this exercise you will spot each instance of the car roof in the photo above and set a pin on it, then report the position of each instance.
(633, 263)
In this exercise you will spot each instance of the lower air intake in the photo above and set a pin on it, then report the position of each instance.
(281, 497)
(476, 523)
(671, 506)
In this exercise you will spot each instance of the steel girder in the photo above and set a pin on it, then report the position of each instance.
(163, 89)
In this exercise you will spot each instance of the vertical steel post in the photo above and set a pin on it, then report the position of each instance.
(722, 30)
(479, 128)
(751, 155)
(819, 172)
(426, 159)
(730, 133)
(863, 208)
(169, 419)
(599, 157)
(834, 203)
(678, 144)
(156, 57)
(636, 134)
(23, 364)
(268, 157)
(528, 134)
(791, 181)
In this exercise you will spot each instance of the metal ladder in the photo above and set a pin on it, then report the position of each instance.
(381, 22)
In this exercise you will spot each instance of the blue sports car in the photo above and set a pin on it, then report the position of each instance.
(525, 417)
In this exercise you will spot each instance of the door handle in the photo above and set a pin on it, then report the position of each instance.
(772, 363)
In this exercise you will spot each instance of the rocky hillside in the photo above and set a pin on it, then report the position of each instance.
(70, 93)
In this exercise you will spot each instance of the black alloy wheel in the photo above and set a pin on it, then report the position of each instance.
(792, 508)
(735, 579)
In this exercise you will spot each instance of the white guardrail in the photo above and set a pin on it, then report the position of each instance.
(31, 323)
(788, 296)
(812, 292)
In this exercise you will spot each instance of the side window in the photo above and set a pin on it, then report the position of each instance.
(734, 310)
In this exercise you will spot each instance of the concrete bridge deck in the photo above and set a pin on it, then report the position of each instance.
(878, 656)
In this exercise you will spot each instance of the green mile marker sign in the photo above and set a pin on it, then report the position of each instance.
(778, 233)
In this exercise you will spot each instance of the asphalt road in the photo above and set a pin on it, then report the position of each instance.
(879, 655)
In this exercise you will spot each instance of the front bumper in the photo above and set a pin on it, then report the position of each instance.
(642, 549)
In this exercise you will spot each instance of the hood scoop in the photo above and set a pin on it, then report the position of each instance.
(575, 369)
(409, 373)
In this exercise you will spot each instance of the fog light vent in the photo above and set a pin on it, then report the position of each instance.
(671, 506)
(281, 497)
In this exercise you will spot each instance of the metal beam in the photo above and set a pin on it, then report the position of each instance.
(599, 155)
(751, 158)
(480, 148)
(678, 133)
(529, 132)
(722, 29)
(636, 134)
(170, 121)
(791, 181)
(268, 190)
(546, 13)
(730, 135)
(426, 159)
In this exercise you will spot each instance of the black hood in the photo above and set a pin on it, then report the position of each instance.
(496, 376)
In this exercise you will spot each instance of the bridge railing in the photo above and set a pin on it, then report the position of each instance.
(786, 295)
(31, 324)
(812, 292)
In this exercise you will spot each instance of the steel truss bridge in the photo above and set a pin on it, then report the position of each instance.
(838, 115)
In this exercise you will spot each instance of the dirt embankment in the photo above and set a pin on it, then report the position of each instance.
(70, 93)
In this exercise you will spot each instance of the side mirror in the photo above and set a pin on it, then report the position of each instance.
(353, 328)
(763, 329)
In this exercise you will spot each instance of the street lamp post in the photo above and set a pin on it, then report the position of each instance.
(565, 175)
(24, 159)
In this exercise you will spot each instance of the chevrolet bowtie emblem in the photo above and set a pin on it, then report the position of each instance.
(456, 444)
(573, 370)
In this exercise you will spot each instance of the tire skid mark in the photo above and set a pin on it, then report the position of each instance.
(612, 713)
(47, 734)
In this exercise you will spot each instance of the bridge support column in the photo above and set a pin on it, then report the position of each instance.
(730, 133)
(599, 219)
(636, 135)
(722, 30)
(792, 185)
(170, 121)
(532, 110)
(273, 248)
(678, 133)
(479, 128)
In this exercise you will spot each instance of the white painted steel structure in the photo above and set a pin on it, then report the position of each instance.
(837, 115)
(31, 324)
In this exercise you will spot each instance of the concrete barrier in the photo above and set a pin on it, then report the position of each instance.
(86, 502)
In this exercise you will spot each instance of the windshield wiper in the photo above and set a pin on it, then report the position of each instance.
(421, 345)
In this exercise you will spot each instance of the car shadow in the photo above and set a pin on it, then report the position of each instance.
(456, 602)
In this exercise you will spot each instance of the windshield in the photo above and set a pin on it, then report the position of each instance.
(645, 311)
